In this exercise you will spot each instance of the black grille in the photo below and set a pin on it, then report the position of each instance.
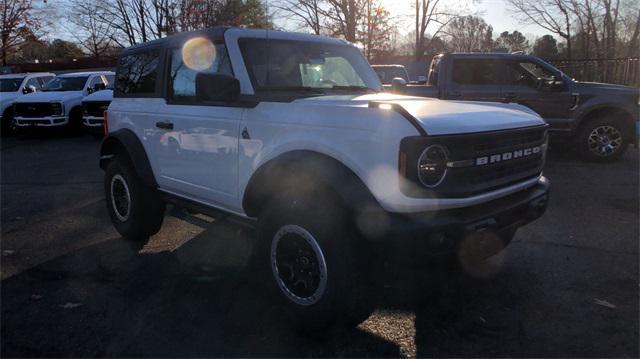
(95, 108)
(37, 109)
(474, 179)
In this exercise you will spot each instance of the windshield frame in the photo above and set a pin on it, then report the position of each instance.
(370, 81)
(20, 85)
(61, 78)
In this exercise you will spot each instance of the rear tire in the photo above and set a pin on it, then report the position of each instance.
(309, 255)
(136, 209)
(602, 140)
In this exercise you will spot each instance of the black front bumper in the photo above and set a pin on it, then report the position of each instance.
(442, 230)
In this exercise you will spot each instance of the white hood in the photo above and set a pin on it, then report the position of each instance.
(104, 95)
(46, 96)
(440, 117)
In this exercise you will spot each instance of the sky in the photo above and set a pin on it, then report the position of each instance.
(494, 12)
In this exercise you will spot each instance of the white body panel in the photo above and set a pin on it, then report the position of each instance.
(211, 163)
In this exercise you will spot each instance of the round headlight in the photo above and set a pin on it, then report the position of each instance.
(432, 165)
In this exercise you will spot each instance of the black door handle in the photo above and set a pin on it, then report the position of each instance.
(165, 125)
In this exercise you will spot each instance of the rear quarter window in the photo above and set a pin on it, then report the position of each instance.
(475, 72)
(137, 74)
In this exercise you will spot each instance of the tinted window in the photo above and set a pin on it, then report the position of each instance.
(67, 83)
(11, 84)
(182, 79)
(387, 74)
(434, 71)
(526, 73)
(137, 73)
(475, 72)
(34, 82)
(43, 80)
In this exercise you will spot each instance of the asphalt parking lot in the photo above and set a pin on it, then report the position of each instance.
(567, 286)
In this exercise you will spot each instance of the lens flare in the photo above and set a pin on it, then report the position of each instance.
(198, 53)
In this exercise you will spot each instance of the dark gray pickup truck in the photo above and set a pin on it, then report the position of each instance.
(598, 120)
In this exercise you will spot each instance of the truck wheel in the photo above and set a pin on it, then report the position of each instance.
(307, 248)
(8, 125)
(135, 208)
(75, 121)
(601, 140)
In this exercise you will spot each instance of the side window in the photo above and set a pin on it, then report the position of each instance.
(43, 80)
(475, 72)
(434, 71)
(182, 78)
(35, 83)
(137, 73)
(526, 73)
(110, 80)
(95, 80)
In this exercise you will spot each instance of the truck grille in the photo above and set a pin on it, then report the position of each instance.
(36, 109)
(95, 108)
(473, 178)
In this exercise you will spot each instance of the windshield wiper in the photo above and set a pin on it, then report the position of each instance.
(353, 88)
(306, 89)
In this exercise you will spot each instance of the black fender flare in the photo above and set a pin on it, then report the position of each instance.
(327, 171)
(125, 142)
(629, 118)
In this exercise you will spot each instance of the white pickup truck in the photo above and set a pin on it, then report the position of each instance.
(291, 133)
(59, 104)
(14, 86)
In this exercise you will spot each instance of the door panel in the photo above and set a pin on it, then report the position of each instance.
(521, 85)
(198, 144)
(199, 155)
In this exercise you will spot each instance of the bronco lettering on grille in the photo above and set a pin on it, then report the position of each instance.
(507, 156)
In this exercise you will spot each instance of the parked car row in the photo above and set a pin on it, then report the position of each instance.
(597, 120)
(72, 100)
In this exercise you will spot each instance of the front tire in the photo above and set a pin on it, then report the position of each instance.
(308, 249)
(602, 140)
(8, 125)
(135, 209)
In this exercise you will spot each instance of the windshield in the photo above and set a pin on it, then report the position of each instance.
(386, 74)
(299, 65)
(75, 83)
(10, 84)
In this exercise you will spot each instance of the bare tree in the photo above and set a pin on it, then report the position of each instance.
(552, 15)
(17, 21)
(307, 12)
(91, 31)
(469, 34)
(430, 12)
(343, 17)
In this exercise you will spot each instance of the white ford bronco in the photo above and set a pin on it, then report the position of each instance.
(290, 133)
(59, 103)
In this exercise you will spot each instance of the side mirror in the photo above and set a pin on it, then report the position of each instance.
(398, 84)
(99, 87)
(217, 87)
(29, 89)
(556, 84)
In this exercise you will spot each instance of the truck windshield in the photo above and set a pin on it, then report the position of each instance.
(10, 84)
(287, 65)
(75, 83)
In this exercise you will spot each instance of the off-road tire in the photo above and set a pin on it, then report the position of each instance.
(587, 143)
(349, 296)
(143, 216)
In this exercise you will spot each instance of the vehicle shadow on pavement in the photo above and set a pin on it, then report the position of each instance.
(113, 299)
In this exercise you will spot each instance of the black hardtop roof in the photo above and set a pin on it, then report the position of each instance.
(215, 33)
